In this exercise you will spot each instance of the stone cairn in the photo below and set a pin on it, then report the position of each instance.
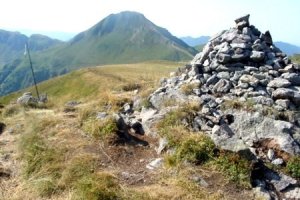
(242, 64)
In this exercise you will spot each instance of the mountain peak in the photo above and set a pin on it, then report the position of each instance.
(128, 14)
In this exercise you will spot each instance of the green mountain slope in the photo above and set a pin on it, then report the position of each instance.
(127, 37)
(12, 44)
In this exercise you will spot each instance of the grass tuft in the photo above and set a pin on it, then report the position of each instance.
(187, 89)
(293, 166)
(97, 186)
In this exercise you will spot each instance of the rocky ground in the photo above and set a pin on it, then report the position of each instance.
(130, 161)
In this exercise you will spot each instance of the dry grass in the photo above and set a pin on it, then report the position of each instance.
(93, 82)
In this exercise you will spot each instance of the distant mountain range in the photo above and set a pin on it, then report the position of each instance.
(199, 42)
(287, 48)
(126, 37)
(192, 41)
(12, 44)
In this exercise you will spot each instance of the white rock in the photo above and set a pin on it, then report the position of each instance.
(277, 161)
(163, 142)
(157, 163)
(271, 154)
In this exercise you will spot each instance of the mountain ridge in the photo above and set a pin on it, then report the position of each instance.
(126, 37)
(12, 44)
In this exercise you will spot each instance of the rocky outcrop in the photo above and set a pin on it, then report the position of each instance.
(240, 64)
(27, 99)
(243, 68)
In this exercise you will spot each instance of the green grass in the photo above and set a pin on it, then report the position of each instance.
(198, 148)
(296, 58)
(172, 128)
(90, 83)
(100, 129)
(47, 170)
(194, 148)
(293, 166)
(235, 167)
(199, 47)
(42, 163)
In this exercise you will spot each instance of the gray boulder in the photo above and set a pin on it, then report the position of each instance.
(251, 80)
(254, 127)
(257, 56)
(222, 86)
(279, 83)
(27, 100)
(224, 137)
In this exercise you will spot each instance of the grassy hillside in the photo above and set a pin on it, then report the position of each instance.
(127, 37)
(95, 81)
(296, 58)
(199, 47)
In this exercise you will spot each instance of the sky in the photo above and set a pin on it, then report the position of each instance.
(64, 18)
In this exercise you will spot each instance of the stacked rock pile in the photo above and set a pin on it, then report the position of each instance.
(243, 62)
(241, 65)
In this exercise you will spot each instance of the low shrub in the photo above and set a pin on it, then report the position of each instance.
(195, 148)
(293, 166)
(235, 167)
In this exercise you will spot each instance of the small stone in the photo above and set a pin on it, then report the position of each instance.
(268, 38)
(127, 108)
(101, 115)
(279, 83)
(242, 22)
(251, 80)
(200, 181)
(222, 86)
(157, 163)
(223, 75)
(261, 193)
(277, 161)
(163, 142)
(257, 56)
(284, 103)
(246, 31)
(223, 58)
(292, 77)
(205, 110)
(283, 93)
(212, 80)
(292, 193)
(271, 154)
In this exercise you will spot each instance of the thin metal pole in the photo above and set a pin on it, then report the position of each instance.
(36, 88)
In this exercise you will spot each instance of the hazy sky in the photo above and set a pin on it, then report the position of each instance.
(181, 18)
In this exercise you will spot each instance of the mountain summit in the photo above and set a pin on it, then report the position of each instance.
(126, 37)
(130, 37)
